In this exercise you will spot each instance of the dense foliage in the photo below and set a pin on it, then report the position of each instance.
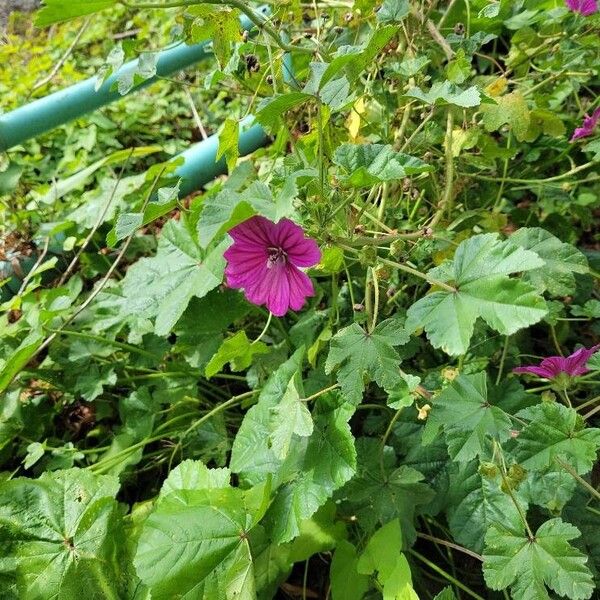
(178, 421)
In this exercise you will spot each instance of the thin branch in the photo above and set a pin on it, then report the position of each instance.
(462, 549)
(97, 224)
(63, 58)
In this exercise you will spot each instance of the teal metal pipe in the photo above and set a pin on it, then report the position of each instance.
(200, 160)
(70, 103)
(45, 114)
(200, 166)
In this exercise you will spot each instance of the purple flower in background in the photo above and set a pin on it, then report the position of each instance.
(588, 126)
(553, 366)
(584, 7)
(264, 261)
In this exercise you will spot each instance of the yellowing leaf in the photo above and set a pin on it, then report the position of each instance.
(354, 118)
(510, 109)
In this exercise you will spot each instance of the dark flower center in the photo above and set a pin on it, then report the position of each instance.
(277, 256)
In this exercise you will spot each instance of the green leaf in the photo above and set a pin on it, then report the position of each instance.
(63, 536)
(528, 566)
(252, 456)
(354, 59)
(137, 412)
(346, 582)
(238, 351)
(316, 466)
(476, 503)
(382, 556)
(228, 143)
(56, 11)
(509, 109)
(358, 353)
(467, 417)
(220, 24)
(555, 431)
(35, 451)
(76, 181)
(291, 416)
(11, 416)
(445, 594)
(374, 497)
(194, 475)
(593, 147)
(271, 109)
(19, 358)
(447, 93)
(393, 11)
(479, 273)
(364, 165)
(561, 260)
(194, 545)
(162, 286)
(220, 213)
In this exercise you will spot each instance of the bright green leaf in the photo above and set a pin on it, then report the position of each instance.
(561, 260)
(162, 286)
(476, 503)
(290, 417)
(238, 351)
(56, 11)
(63, 536)
(228, 143)
(479, 272)
(364, 165)
(467, 417)
(529, 565)
(556, 432)
(393, 11)
(359, 354)
(447, 93)
(346, 582)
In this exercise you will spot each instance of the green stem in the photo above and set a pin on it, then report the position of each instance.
(448, 197)
(321, 150)
(502, 359)
(98, 338)
(564, 175)
(569, 469)
(371, 327)
(416, 273)
(265, 328)
(445, 575)
(384, 440)
(321, 392)
(259, 21)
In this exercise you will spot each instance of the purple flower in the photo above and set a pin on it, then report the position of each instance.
(553, 366)
(584, 7)
(588, 126)
(264, 261)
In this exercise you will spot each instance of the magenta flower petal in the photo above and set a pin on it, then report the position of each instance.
(587, 127)
(584, 7)
(533, 370)
(264, 261)
(551, 367)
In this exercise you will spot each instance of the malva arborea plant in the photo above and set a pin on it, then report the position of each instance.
(347, 367)
(265, 260)
(588, 126)
(584, 7)
(551, 367)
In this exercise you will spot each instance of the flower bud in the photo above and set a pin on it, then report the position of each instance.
(368, 256)
(397, 248)
(383, 272)
(488, 470)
